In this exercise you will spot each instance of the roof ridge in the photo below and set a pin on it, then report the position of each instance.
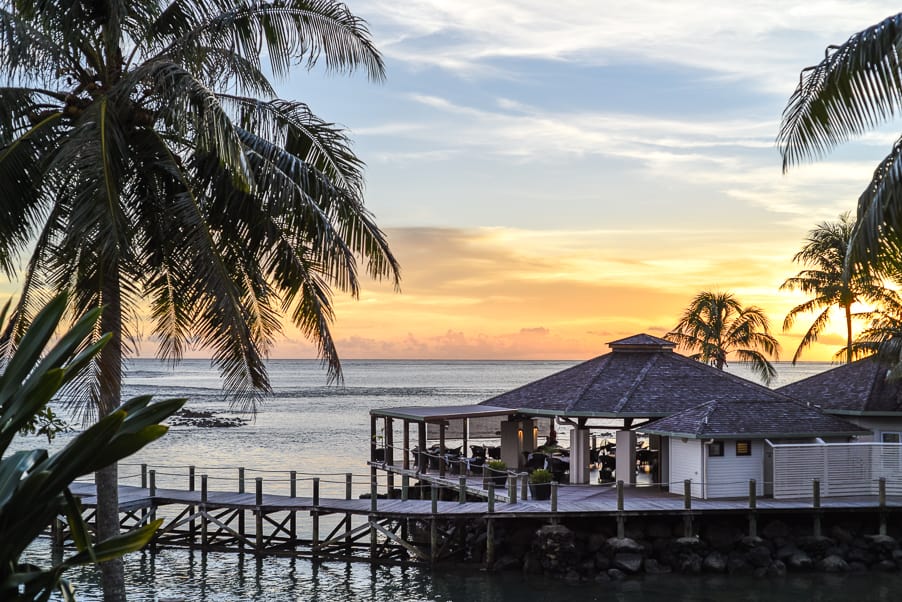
(605, 360)
(635, 384)
(711, 406)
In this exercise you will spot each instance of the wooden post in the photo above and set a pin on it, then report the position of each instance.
(348, 494)
(315, 516)
(687, 505)
(524, 486)
(816, 502)
(441, 449)
(489, 542)
(491, 508)
(433, 527)
(152, 485)
(421, 447)
(293, 492)
(512, 488)
(554, 496)
(144, 486)
(621, 520)
(241, 512)
(405, 488)
(372, 438)
(193, 510)
(406, 445)
(753, 506)
(258, 499)
(462, 484)
(374, 493)
(390, 455)
(881, 501)
(203, 509)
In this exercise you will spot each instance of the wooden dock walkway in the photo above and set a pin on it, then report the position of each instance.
(398, 530)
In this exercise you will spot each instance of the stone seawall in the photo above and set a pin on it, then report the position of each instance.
(587, 549)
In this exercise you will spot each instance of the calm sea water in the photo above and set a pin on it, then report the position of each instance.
(314, 428)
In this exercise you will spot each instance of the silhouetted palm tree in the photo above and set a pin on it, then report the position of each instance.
(829, 283)
(716, 325)
(854, 89)
(145, 161)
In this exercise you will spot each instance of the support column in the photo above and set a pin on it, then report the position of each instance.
(406, 445)
(441, 449)
(626, 457)
(579, 455)
(421, 445)
(390, 453)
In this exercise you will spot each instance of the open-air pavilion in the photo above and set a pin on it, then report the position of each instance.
(641, 379)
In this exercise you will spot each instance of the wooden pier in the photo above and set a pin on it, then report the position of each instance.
(400, 529)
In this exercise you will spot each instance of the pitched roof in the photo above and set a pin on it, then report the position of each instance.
(734, 418)
(640, 377)
(860, 387)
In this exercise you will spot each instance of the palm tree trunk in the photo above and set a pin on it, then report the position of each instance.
(107, 479)
(848, 309)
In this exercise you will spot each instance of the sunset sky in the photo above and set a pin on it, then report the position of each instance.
(555, 177)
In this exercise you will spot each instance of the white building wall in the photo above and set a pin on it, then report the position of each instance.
(729, 475)
(878, 425)
(685, 463)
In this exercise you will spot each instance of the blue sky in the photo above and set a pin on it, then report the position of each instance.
(556, 176)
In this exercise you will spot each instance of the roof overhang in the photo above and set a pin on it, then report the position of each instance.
(873, 413)
(442, 413)
(782, 435)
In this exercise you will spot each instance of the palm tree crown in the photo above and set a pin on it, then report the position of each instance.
(147, 162)
(716, 325)
(829, 283)
(144, 149)
(855, 88)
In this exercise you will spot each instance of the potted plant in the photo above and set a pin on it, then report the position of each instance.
(497, 472)
(540, 484)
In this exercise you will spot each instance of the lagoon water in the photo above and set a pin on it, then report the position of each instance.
(315, 428)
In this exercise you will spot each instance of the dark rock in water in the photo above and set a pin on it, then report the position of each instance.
(857, 567)
(616, 575)
(572, 576)
(738, 565)
(815, 546)
(785, 551)
(628, 562)
(691, 564)
(595, 542)
(759, 556)
(653, 567)
(841, 535)
(623, 544)
(833, 564)
(750, 542)
(602, 562)
(886, 566)
(776, 569)
(800, 561)
(204, 419)
(506, 563)
(715, 562)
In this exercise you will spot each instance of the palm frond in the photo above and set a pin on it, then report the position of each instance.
(857, 86)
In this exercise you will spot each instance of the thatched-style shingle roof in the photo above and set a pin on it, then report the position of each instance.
(738, 419)
(641, 377)
(857, 388)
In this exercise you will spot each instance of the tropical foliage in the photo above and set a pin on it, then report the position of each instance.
(34, 485)
(855, 88)
(716, 326)
(829, 284)
(146, 161)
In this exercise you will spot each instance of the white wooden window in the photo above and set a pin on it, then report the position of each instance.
(715, 449)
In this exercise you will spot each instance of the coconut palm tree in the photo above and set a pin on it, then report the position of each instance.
(855, 88)
(829, 284)
(716, 326)
(147, 163)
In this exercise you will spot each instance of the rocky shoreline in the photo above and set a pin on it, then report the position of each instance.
(585, 551)
(204, 419)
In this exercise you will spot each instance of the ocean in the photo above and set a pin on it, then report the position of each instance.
(315, 428)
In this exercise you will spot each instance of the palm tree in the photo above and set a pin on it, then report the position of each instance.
(855, 88)
(716, 325)
(829, 283)
(146, 162)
